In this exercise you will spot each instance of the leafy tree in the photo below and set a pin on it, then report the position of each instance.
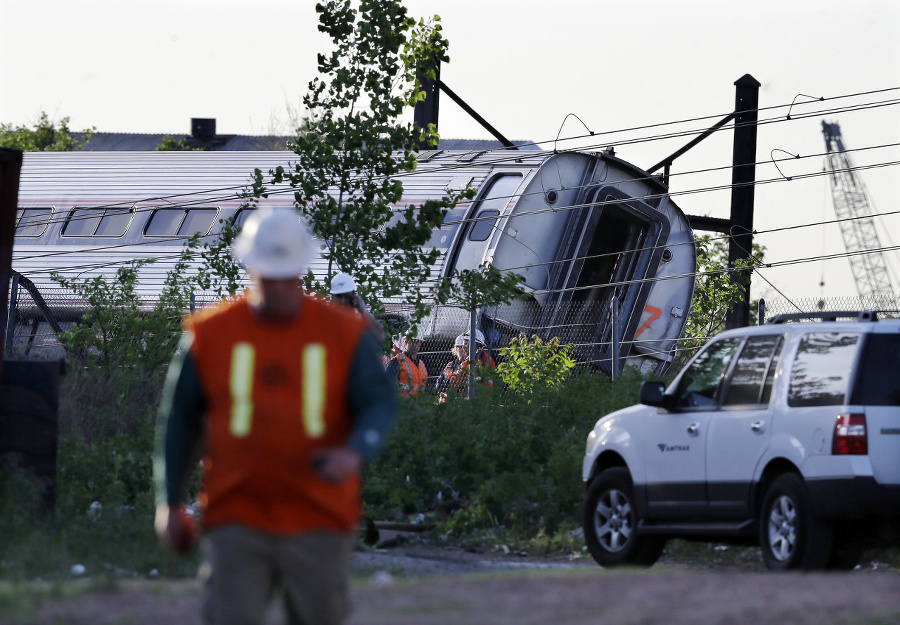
(170, 144)
(355, 146)
(44, 137)
(714, 291)
(484, 286)
(530, 364)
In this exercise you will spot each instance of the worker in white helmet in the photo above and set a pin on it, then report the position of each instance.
(405, 365)
(457, 372)
(288, 399)
(343, 291)
(458, 354)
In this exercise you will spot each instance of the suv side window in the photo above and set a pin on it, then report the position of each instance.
(699, 386)
(878, 383)
(754, 371)
(821, 370)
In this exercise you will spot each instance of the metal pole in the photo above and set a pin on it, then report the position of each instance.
(614, 317)
(472, 316)
(762, 312)
(13, 303)
(743, 180)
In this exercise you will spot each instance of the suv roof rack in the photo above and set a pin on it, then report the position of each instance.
(831, 315)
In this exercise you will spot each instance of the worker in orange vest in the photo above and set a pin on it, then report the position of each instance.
(406, 367)
(457, 375)
(287, 399)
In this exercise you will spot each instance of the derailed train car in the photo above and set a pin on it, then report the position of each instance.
(608, 258)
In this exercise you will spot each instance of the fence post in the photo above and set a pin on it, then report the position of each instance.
(11, 318)
(472, 318)
(762, 312)
(614, 353)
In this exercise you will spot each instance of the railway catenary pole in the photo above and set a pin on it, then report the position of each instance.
(743, 182)
(10, 167)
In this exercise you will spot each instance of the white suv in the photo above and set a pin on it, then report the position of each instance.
(785, 435)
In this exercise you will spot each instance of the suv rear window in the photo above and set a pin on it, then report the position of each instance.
(878, 381)
(822, 368)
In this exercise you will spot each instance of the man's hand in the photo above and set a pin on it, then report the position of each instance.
(176, 527)
(338, 464)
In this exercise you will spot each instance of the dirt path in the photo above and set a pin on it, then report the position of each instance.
(429, 586)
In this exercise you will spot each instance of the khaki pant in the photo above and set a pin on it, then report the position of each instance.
(245, 567)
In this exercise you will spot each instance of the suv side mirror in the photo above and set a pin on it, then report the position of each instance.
(653, 394)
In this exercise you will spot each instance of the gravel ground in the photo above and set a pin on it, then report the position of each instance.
(419, 584)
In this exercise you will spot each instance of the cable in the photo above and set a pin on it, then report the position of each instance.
(537, 211)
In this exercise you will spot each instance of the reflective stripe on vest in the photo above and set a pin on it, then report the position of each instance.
(241, 385)
(243, 358)
(314, 389)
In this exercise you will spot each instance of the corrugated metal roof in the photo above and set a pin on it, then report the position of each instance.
(137, 142)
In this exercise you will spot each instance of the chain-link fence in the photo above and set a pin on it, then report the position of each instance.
(598, 337)
(887, 306)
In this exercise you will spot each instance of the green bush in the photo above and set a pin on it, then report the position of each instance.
(530, 364)
(504, 461)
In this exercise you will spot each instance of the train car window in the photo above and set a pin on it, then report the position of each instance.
(114, 222)
(164, 222)
(483, 225)
(242, 216)
(492, 202)
(442, 237)
(198, 220)
(32, 222)
(88, 222)
(82, 222)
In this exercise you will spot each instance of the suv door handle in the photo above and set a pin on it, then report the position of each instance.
(758, 427)
(693, 429)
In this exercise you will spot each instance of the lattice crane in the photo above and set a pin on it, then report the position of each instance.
(851, 205)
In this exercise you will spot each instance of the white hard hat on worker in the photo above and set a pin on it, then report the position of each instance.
(479, 337)
(342, 283)
(274, 244)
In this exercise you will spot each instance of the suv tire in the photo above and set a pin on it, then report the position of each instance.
(790, 535)
(610, 523)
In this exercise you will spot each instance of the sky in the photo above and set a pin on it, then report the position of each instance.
(548, 72)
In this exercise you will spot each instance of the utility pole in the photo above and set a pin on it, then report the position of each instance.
(743, 182)
(10, 167)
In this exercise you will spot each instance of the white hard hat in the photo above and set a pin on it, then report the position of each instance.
(479, 337)
(460, 340)
(274, 244)
(342, 283)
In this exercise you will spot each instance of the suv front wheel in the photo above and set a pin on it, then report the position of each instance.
(610, 523)
(790, 535)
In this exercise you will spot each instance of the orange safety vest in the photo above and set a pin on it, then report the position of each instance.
(459, 377)
(412, 377)
(275, 394)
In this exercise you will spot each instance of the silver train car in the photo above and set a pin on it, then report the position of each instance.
(607, 256)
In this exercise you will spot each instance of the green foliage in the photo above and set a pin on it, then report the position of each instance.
(45, 136)
(107, 416)
(355, 147)
(714, 292)
(171, 144)
(530, 364)
(117, 329)
(497, 463)
(484, 286)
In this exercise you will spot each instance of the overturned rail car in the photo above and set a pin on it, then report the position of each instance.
(607, 256)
